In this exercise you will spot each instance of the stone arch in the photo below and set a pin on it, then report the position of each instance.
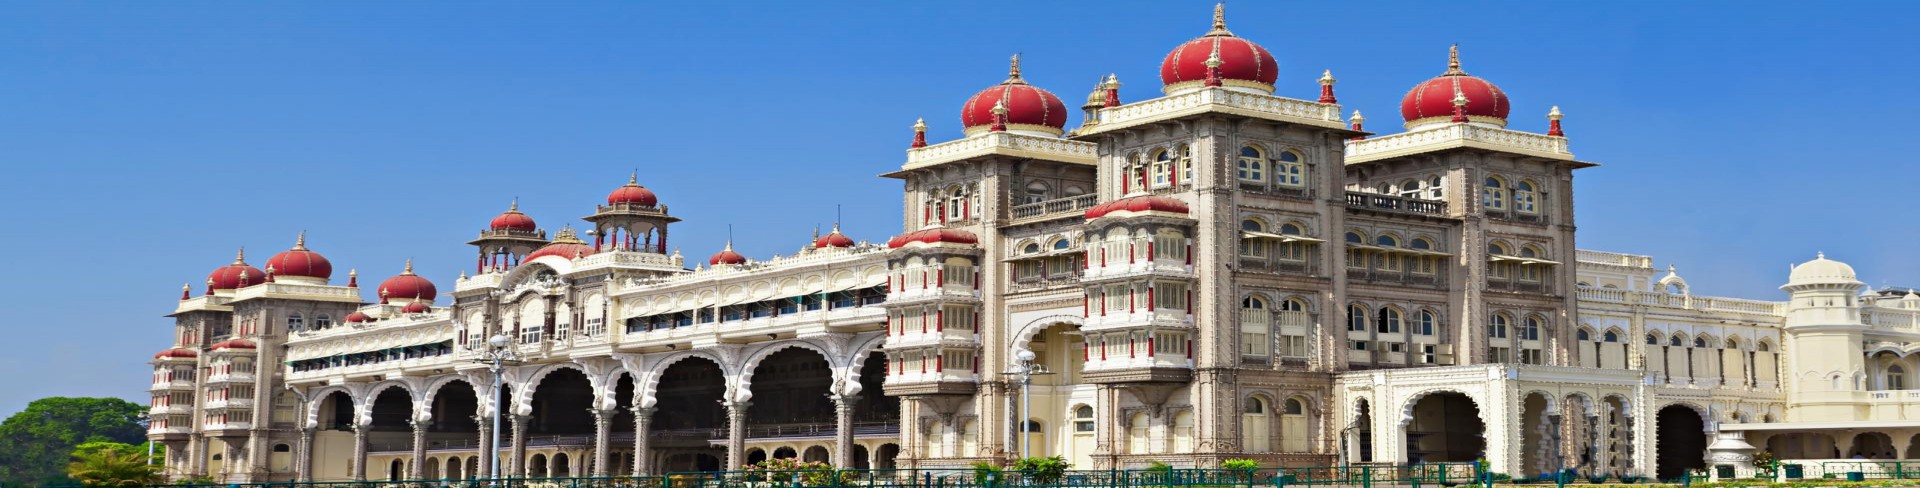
(317, 397)
(743, 385)
(523, 403)
(1035, 326)
(1579, 402)
(857, 361)
(1553, 402)
(648, 384)
(1706, 414)
(1406, 407)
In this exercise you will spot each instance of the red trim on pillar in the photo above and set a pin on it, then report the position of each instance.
(940, 320)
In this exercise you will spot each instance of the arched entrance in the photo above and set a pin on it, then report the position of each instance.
(1539, 436)
(1616, 427)
(687, 415)
(884, 457)
(1062, 350)
(790, 394)
(1681, 441)
(454, 406)
(392, 429)
(1357, 437)
(1445, 427)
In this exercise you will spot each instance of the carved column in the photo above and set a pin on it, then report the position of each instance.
(417, 470)
(1107, 424)
(517, 465)
(642, 418)
(736, 433)
(303, 457)
(359, 472)
(488, 452)
(843, 430)
(602, 426)
(197, 461)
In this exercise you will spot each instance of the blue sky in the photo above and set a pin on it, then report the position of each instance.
(143, 141)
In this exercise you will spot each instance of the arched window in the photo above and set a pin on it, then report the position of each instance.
(1288, 171)
(1355, 238)
(1676, 341)
(1493, 193)
(1038, 191)
(1083, 419)
(1389, 321)
(1356, 318)
(1387, 241)
(1896, 378)
(1699, 342)
(1530, 331)
(1186, 164)
(322, 321)
(1525, 198)
(1422, 244)
(1610, 336)
(957, 204)
(1162, 168)
(1429, 322)
(1499, 269)
(295, 322)
(1253, 165)
(1255, 322)
(1250, 246)
(1293, 305)
(1030, 248)
(1583, 335)
(1256, 429)
(1435, 189)
(1497, 326)
(1410, 189)
(1764, 347)
(1652, 341)
(1061, 244)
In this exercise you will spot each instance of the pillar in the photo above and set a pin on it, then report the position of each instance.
(843, 430)
(488, 452)
(197, 457)
(417, 469)
(303, 467)
(602, 427)
(736, 433)
(642, 417)
(359, 472)
(517, 463)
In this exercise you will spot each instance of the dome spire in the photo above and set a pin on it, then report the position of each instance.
(633, 179)
(1326, 87)
(299, 243)
(1220, 21)
(1000, 114)
(514, 205)
(1453, 62)
(1113, 90)
(186, 291)
(1553, 123)
(1357, 120)
(1213, 65)
(1459, 105)
(353, 278)
(1013, 70)
(240, 257)
(409, 269)
(920, 132)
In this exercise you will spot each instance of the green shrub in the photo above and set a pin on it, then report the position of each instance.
(1246, 464)
(1044, 470)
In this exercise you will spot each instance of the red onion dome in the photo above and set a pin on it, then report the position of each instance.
(178, 352)
(726, 256)
(358, 318)
(933, 235)
(833, 239)
(407, 286)
(1243, 64)
(416, 307)
(512, 219)
(633, 194)
(236, 275)
(235, 344)
(565, 244)
(300, 262)
(1028, 108)
(1432, 101)
(1137, 204)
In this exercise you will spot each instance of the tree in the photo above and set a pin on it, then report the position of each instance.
(159, 450)
(113, 467)
(36, 443)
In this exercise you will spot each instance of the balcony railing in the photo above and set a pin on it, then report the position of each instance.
(1373, 275)
(1376, 201)
(1520, 286)
(1049, 208)
(1029, 283)
(1282, 266)
(1531, 218)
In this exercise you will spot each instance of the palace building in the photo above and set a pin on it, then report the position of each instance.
(1214, 271)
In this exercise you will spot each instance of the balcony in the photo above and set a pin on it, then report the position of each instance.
(371, 368)
(916, 337)
(1004, 144)
(948, 292)
(1459, 136)
(1073, 206)
(1516, 286)
(230, 378)
(1140, 317)
(180, 409)
(1043, 282)
(172, 385)
(1394, 277)
(1277, 190)
(1394, 204)
(951, 381)
(1120, 269)
(1522, 217)
(1138, 366)
(1279, 266)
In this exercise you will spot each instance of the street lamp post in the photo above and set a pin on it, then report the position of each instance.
(497, 356)
(1027, 369)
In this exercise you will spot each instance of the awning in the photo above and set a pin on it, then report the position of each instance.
(1254, 234)
(1517, 259)
(872, 280)
(1044, 255)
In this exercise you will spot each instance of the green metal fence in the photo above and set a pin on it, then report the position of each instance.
(1869, 470)
(1384, 475)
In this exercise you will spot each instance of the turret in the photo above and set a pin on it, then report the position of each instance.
(1825, 368)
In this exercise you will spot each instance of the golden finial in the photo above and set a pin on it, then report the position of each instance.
(1357, 119)
(300, 243)
(1453, 61)
(1000, 107)
(1113, 80)
(1326, 77)
(186, 287)
(1013, 70)
(240, 257)
(1554, 114)
(353, 272)
(633, 178)
(1219, 20)
(514, 207)
(1213, 60)
(1459, 97)
(409, 269)
(920, 124)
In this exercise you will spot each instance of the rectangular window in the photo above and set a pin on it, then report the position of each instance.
(1530, 356)
(1394, 347)
(1427, 355)
(958, 275)
(957, 317)
(1499, 355)
(1292, 251)
(1356, 259)
(1170, 295)
(1359, 345)
(1293, 346)
(1061, 265)
(1116, 298)
(1529, 273)
(1169, 248)
(1421, 264)
(1289, 174)
(1161, 174)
